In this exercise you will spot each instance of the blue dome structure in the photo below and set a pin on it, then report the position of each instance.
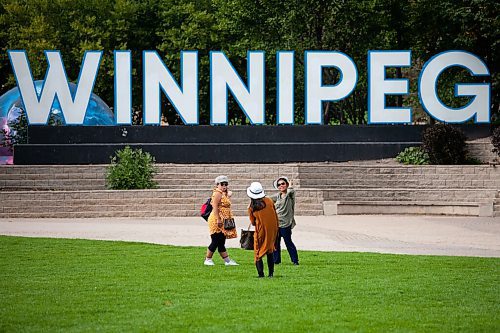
(98, 112)
(11, 107)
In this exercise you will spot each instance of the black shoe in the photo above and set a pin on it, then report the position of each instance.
(296, 263)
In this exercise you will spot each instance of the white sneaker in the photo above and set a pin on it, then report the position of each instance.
(209, 262)
(231, 262)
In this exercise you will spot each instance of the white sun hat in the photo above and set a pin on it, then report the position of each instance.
(255, 191)
(275, 183)
(221, 179)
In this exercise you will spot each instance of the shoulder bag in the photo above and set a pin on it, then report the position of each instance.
(246, 240)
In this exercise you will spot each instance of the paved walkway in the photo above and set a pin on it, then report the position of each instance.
(457, 236)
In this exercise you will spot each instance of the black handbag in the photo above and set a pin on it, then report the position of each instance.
(229, 224)
(246, 240)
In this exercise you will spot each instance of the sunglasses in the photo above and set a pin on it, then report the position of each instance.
(223, 184)
(281, 184)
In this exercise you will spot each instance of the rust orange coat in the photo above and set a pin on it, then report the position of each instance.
(266, 228)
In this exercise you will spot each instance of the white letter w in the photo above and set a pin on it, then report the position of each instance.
(55, 85)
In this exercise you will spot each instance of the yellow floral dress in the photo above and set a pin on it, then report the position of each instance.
(224, 213)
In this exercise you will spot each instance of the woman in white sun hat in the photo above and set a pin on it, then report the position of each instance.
(221, 210)
(284, 202)
(263, 216)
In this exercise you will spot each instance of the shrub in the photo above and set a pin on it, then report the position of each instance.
(414, 156)
(444, 144)
(495, 140)
(472, 161)
(131, 169)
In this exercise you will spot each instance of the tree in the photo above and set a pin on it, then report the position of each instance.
(188, 25)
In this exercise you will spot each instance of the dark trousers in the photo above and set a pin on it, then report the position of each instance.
(218, 241)
(270, 265)
(286, 233)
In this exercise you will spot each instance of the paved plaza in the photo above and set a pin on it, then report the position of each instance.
(422, 235)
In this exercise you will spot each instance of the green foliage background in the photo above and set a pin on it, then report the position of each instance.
(426, 27)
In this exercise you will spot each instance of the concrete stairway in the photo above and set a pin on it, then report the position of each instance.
(322, 188)
(399, 176)
(169, 176)
(79, 191)
(396, 189)
(134, 203)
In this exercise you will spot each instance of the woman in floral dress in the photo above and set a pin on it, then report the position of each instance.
(221, 210)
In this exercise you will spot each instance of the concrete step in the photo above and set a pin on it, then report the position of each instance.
(404, 207)
(183, 188)
(65, 185)
(118, 198)
(189, 194)
(52, 169)
(169, 176)
(129, 212)
(116, 205)
(303, 175)
(126, 213)
(376, 182)
(336, 194)
(393, 168)
(118, 211)
(313, 179)
(107, 203)
(103, 213)
(206, 177)
(312, 170)
(361, 174)
(52, 176)
(100, 184)
(215, 169)
(415, 194)
(93, 185)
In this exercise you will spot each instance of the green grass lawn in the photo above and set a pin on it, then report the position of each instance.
(60, 285)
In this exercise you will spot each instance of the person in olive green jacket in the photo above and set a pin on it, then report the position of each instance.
(284, 202)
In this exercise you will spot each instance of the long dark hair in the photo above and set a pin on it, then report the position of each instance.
(257, 204)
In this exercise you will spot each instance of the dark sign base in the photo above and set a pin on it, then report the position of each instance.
(211, 153)
(222, 144)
